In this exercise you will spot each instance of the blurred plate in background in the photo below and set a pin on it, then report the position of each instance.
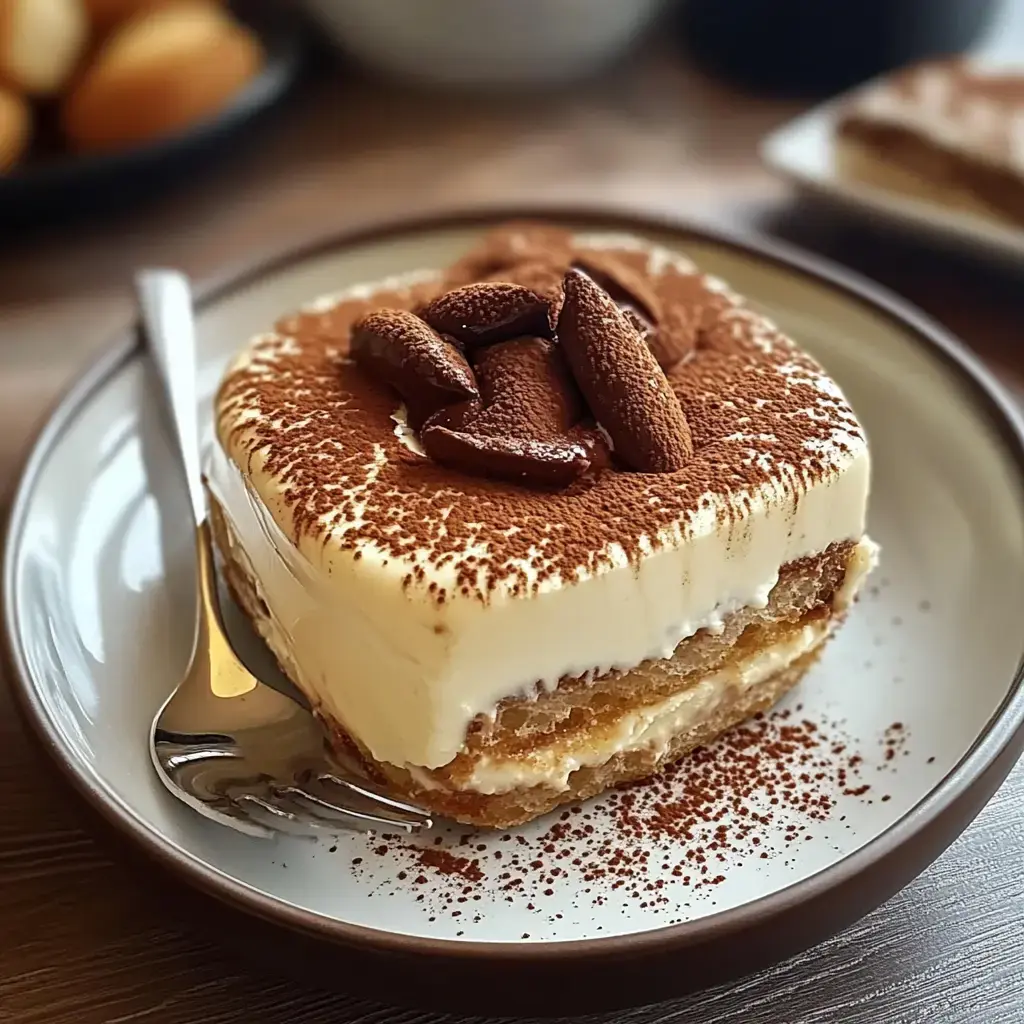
(803, 152)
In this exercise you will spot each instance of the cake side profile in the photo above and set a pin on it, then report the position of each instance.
(950, 131)
(540, 522)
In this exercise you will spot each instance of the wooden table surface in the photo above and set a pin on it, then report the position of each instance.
(84, 941)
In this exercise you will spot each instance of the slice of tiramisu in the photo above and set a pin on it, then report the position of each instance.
(950, 131)
(539, 523)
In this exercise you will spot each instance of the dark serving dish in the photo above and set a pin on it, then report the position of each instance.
(54, 186)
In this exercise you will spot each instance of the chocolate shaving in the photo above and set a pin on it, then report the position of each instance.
(598, 450)
(526, 390)
(461, 416)
(666, 316)
(519, 460)
(631, 290)
(524, 427)
(690, 308)
(511, 245)
(626, 389)
(542, 278)
(426, 369)
(480, 314)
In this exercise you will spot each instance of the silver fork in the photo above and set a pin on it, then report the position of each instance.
(229, 746)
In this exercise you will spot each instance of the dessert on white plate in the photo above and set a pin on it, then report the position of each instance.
(540, 522)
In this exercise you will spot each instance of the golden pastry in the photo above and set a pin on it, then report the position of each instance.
(105, 14)
(15, 128)
(160, 72)
(41, 42)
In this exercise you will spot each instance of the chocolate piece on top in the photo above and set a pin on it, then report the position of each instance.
(626, 389)
(478, 314)
(510, 245)
(460, 416)
(630, 290)
(596, 444)
(426, 369)
(519, 460)
(526, 390)
(542, 277)
(665, 307)
(690, 307)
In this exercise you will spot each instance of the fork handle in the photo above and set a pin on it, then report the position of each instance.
(165, 303)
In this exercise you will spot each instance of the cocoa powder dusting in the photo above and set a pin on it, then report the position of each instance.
(445, 863)
(775, 782)
(322, 436)
(626, 389)
(894, 742)
(526, 390)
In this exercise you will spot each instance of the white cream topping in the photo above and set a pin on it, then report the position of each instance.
(407, 676)
(650, 729)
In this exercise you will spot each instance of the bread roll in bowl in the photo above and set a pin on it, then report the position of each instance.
(41, 42)
(15, 128)
(104, 14)
(160, 72)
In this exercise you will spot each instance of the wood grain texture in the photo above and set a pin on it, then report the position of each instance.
(86, 940)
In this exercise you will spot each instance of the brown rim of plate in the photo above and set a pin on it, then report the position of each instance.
(716, 948)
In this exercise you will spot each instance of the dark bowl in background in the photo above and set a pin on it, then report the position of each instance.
(822, 47)
(55, 187)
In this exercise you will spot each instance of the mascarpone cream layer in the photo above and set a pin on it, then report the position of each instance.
(649, 729)
(406, 676)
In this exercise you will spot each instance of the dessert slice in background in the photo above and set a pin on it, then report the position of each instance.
(520, 542)
(948, 131)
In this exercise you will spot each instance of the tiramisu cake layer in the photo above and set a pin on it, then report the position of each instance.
(949, 130)
(539, 522)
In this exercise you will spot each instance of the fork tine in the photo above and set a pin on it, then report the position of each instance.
(284, 812)
(374, 795)
(314, 805)
(227, 813)
(282, 815)
(220, 810)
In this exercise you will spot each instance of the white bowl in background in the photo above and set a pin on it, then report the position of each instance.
(485, 42)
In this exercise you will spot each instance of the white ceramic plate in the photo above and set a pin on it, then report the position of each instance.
(802, 151)
(917, 699)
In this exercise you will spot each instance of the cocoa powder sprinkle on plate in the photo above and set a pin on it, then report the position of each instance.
(765, 786)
